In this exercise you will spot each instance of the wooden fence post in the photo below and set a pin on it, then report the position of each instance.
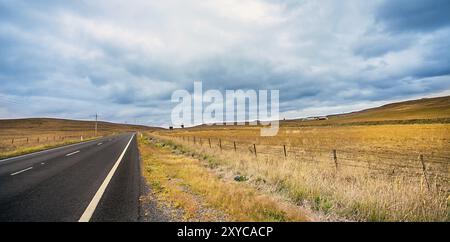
(220, 144)
(12, 141)
(335, 158)
(424, 170)
(234, 143)
(194, 140)
(38, 139)
(254, 149)
(27, 140)
(284, 148)
(209, 141)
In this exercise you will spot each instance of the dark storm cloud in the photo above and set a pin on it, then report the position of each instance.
(414, 15)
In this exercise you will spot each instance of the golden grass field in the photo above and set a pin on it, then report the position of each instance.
(382, 172)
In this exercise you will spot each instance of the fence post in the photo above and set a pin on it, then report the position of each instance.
(12, 141)
(424, 170)
(335, 158)
(27, 140)
(194, 140)
(38, 139)
(234, 143)
(220, 144)
(209, 141)
(254, 148)
(285, 153)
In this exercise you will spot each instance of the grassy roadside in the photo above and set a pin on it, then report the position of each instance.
(350, 193)
(37, 148)
(190, 184)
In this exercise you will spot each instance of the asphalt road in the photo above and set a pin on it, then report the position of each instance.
(93, 181)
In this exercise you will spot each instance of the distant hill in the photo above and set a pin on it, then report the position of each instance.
(40, 125)
(426, 110)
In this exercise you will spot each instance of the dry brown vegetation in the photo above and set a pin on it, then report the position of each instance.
(379, 176)
(187, 182)
(392, 163)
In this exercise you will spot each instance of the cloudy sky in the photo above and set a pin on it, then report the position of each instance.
(123, 59)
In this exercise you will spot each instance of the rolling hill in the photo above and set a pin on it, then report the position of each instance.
(46, 125)
(426, 110)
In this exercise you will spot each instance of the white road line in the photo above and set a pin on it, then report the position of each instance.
(24, 170)
(73, 153)
(45, 151)
(42, 163)
(98, 195)
(99, 143)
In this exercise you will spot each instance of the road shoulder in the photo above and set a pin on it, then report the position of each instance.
(190, 186)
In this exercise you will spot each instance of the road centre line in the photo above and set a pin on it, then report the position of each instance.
(24, 170)
(73, 153)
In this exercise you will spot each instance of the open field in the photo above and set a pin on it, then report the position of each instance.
(395, 149)
(344, 166)
(20, 136)
(374, 178)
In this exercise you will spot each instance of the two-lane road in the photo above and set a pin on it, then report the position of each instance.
(93, 181)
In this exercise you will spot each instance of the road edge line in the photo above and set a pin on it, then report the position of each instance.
(48, 150)
(90, 209)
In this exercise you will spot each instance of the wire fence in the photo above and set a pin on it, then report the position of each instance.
(429, 165)
(11, 143)
(40, 139)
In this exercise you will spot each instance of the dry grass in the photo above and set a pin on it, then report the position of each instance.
(41, 141)
(181, 179)
(419, 137)
(35, 148)
(352, 192)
